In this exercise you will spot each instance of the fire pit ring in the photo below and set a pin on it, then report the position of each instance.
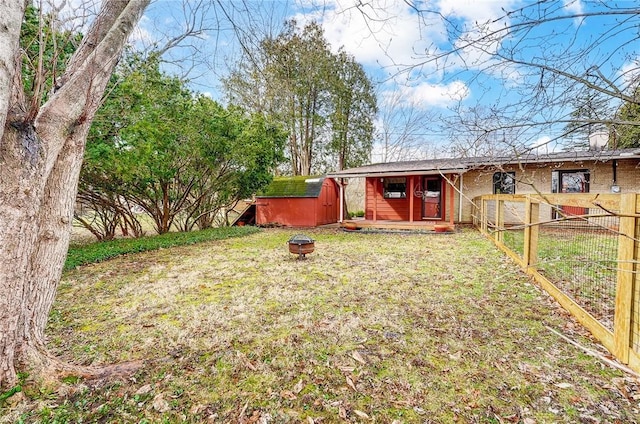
(301, 245)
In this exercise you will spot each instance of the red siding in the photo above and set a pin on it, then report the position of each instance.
(389, 209)
(287, 211)
(300, 211)
(396, 209)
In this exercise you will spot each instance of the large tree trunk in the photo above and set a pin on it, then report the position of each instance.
(40, 156)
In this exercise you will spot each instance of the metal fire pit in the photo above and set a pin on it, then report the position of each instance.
(301, 245)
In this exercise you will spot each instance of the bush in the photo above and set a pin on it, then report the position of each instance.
(100, 251)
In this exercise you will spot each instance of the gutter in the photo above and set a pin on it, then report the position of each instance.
(399, 173)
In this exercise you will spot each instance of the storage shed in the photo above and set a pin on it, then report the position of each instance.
(301, 201)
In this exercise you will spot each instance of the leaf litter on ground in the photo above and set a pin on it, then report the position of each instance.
(368, 328)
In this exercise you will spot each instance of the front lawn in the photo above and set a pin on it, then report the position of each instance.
(370, 328)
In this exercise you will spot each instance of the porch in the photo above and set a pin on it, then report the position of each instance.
(364, 224)
(423, 202)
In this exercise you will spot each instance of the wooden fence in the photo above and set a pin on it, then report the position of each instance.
(583, 249)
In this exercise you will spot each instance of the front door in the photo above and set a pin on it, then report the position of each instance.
(432, 197)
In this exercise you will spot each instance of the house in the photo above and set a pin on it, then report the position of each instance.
(424, 193)
(300, 201)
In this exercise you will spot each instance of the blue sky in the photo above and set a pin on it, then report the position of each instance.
(390, 39)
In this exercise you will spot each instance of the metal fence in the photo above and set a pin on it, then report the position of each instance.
(583, 249)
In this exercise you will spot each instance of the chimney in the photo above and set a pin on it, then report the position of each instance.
(598, 140)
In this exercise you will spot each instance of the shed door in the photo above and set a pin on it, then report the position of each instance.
(329, 211)
(432, 197)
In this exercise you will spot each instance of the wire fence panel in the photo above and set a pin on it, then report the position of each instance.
(513, 226)
(580, 257)
(583, 249)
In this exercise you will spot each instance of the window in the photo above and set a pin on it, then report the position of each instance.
(395, 188)
(504, 183)
(570, 181)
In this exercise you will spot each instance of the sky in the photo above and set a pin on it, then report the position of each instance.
(396, 42)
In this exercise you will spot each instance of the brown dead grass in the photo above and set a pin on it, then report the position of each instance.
(370, 328)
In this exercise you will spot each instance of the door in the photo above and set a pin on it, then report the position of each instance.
(432, 197)
(329, 206)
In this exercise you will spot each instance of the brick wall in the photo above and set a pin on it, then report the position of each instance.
(534, 178)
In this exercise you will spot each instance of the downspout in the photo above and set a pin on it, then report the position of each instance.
(615, 188)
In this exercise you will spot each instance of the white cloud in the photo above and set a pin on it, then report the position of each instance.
(73, 15)
(574, 7)
(425, 95)
(474, 11)
(630, 74)
(380, 32)
(483, 26)
(391, 35)
(545, 145)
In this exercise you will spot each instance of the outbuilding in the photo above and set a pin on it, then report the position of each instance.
(301, 201)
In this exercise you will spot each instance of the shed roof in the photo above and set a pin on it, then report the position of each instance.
(461, 165)
(299, 186)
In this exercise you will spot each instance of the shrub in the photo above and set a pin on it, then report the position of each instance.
(100, 251)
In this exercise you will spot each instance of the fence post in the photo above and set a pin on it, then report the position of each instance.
(483, 215)
(499, 222)
(531, 227)
(625, 277)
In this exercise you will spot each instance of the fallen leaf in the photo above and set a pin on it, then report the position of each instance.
(515, 418)
(361, 414)
(310, 420)
(564, 385)
(358, 357)
(288, 395)
(254, 418)
(159, 404)
(298, 387)
(342, 413)
(197, 409)
(456, 356)
(350, 384)
(346, 369)
(265, 418)
(143, 390)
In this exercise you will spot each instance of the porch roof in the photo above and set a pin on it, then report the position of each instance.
(461, 165)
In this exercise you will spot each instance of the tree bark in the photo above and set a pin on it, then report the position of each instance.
(40, 160)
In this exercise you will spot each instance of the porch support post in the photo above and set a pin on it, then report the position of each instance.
(460, 200)
(375, 199)
(451, 201)
(341, 215)
(410, 194)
